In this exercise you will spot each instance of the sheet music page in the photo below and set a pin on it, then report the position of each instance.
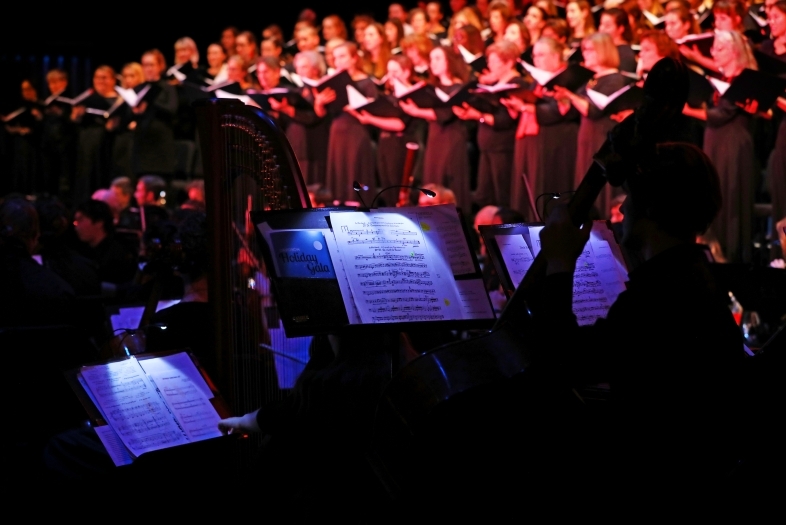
(132, 406)
(534, 239)
(113, 445)
(516, 255)
(443, 233)
(475, 303)
(185, 391)
(343, 279)
(598, 278)
(393, 275)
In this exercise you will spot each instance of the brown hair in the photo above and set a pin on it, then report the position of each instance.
(666, 46)
(378, 68)
(423, 44)
(457, 68)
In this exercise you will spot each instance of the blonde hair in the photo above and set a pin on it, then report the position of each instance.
(739, 45)
(472, 19)
(189, 43)
(136, 68)
(608, 56)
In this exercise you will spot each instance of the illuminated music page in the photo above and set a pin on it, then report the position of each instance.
(516, 255)
(443, 233)
(599, 277)
(186, 393)
(392, 274)
(129, 402)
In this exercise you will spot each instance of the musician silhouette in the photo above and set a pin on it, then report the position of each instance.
(669, 347)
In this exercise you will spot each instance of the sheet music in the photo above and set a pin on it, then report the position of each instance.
(130, 403)
(516, 255)
(534, 239)
(114, 445)
(392, 274)
(600, 273)
(185, 391)
(474, 299)
(443, 233)
(343, 278)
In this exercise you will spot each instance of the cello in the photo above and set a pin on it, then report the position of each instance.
(459, 409)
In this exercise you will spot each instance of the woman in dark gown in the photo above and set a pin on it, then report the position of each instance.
(154, 139)
(614, 22)
(729, 144)
(776, 167)
(95, 135)
(307, 133)
(601, 56)
(545, 149)
(350, 146)
(394, 132)
(496, 129)
(445, 161)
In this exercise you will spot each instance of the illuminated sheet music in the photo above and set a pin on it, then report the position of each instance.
(600, 273)
(130, 403)
(516, 255)
(442, 230)
(392, 274)
(343, 279)
(186, 393)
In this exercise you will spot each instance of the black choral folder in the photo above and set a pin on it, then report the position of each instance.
(339, 268)
(754, 85)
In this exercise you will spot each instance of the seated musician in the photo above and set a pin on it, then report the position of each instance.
(669, 347)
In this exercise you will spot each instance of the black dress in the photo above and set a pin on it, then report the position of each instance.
(729, 145)
(547, 159)
(496, 157)
(446, 160)
(308, 135)
(153, 151)
(351, 154)
(627, 58)
(392, 154)
(776, 166)
(593, 131)
(94, 149)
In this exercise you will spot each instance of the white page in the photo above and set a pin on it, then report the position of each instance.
(720, 85)
(185, 391)
(541, 76)
(516, 255)
(343, 279)
(601, 100)
(597, 280)
(589, 297)
(356, 98)
(443, 233)
(474, 299)
(130, 403)
(534, 235)
(392, 274)
(467, 56)
(114, 445)
(444, 97)
(129, 318)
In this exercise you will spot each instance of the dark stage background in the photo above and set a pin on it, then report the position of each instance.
(78, 38)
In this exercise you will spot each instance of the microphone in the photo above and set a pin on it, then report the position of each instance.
(424, 191)
(357, 187)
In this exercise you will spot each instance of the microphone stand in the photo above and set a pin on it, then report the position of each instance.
(424, 191)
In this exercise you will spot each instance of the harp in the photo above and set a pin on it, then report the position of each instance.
(249, 166)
